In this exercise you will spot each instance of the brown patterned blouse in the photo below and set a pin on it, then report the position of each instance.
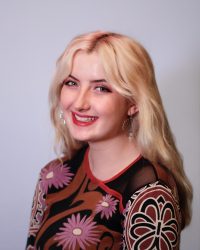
(136, 209)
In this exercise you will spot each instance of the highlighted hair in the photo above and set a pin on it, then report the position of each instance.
(129, 69)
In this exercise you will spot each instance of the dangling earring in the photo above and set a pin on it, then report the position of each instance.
(61, 116)
(127, 125)
(130, 129)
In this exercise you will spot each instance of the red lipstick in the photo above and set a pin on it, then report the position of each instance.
(83, 120)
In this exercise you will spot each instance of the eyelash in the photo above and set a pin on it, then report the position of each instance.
(68, 83)
(103, 89)
(100, 88)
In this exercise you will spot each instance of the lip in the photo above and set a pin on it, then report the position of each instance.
(83, 120)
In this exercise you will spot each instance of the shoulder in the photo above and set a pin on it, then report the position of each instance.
(144, 173)
(58, 173)
(64, 161)
(156, 193)
(152, 216)
(55, 175)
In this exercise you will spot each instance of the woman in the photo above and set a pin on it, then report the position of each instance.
(119, 183)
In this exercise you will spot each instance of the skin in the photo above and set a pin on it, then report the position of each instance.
(95, 112)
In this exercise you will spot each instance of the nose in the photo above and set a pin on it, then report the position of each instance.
(82, 102)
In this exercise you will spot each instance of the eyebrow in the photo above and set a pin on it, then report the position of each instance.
(92, 81)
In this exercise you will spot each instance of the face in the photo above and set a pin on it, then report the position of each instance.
(93, 110)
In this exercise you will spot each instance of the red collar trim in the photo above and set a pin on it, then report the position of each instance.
(102, 183)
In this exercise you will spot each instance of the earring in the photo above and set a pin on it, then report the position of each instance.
(130, 131)
(128, 126)
(61, 117)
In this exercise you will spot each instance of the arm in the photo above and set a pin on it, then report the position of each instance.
(37, 214)
(152, 219)
(53, 176)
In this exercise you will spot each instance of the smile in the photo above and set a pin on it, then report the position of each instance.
(83, 120)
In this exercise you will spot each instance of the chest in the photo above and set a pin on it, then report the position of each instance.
(83, 211)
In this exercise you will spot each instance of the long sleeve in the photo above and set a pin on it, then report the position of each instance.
(37, 214)
(152, 219)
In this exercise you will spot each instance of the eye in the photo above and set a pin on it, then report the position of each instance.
(70, 83)
(103, 89)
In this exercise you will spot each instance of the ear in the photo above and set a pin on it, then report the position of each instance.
(133, 109)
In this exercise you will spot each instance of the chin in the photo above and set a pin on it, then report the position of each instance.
(82, 138)
(81, 134)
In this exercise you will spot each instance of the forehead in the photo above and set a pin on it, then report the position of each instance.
(91, 67)
(87, 65)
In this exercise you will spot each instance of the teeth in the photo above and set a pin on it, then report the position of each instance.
(84, 119)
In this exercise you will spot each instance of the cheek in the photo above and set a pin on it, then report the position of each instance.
(64, 99)
(115, 108)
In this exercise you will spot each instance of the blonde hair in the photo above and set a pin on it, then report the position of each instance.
(129, 69)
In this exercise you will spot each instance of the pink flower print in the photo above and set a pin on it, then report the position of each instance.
(56, 175)
(30, 248)
(77, 231)
(106, 206)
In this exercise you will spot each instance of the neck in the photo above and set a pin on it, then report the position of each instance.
(109, 157)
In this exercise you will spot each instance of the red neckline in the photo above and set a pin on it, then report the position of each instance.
(92, 177)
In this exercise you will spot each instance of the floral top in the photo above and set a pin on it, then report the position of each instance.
(136, 209)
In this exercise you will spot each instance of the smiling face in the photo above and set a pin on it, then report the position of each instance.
(93, 110)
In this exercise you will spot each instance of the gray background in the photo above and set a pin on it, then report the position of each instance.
(32, 36)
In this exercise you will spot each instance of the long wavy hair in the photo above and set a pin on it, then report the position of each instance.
(129, 69)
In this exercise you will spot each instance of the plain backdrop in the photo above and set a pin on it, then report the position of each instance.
(32, 36)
